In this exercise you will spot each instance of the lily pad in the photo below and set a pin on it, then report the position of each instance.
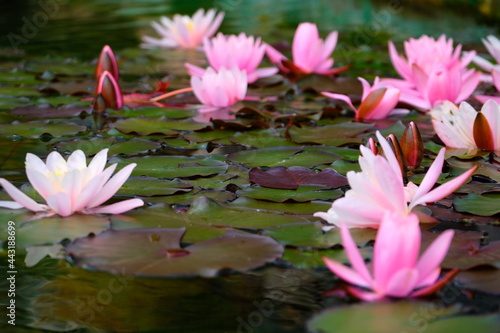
(116, 145)
(483, 205)
(332, 135)
(148, 186)
(290, 178)
(485, 280)
(157, 252)
(303, 193)
(34, 129)
(54, 229)
(147, 126)
(284, 156)
(174, 166)
(404, 316)
(50, 111)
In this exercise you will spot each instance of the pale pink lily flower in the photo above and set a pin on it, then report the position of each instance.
(377, 101)
(71, 186)
(310, 53)
(432, 71)
(379, 188)
(464, 127)
(184, 31)
(492, 44)
(397, 270)
(220, 88)
(440, 84)
(242, 51)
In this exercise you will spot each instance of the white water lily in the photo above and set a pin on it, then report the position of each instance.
(71, 186)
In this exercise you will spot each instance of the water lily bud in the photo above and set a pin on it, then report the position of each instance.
(412, 145)
(483, 135)
(373, 147)
(108, 87)
(107, 62)
(99, 104)
(396, 148)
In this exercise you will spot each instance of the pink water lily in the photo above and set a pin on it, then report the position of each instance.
(220, 88)
(397, 269)
(492, 44)
(379, 188)
(377, 101)
(71, 186)
(464, 127)
(242, 51)
(184, 31)
(440, 84)
(310, 53)
(432, 71)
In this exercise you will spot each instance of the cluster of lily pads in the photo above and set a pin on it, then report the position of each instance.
(266, 169)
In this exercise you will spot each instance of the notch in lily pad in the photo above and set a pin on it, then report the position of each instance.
(157, 252)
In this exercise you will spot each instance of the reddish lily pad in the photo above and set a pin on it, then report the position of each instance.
(480, 279)
(466, 251)
(290, 178)
(50, 111)
(157, 252)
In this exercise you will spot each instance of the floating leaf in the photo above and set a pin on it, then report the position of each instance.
(174, 166)
(332, 135)
(284, 156)
(147, 126)
(290, 178)
(148, 186)
(116, 146)
(303, 193)
(35, 129)
(50, 111)
(157, 252)
(484, 205)
(401, 316)
(485, 280)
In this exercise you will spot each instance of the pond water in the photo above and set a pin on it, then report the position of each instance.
(196, 175)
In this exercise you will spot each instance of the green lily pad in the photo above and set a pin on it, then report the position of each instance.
(147, 186)
(54, 229)
(147, 126)
(34, 129)
(302, 259)
(332, 135)
(404, 316)
(134, 146)
(303, 193)
(157, 252)
(284, 156)
(307, 235)
(262, 139)
(174, 166)
(483, 205)
(154, 112)
(306, 208)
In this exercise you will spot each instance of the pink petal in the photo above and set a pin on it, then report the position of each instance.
(119, 207)
(112, 186)
(400, 64)
(60, 203)
(275, 56)
(433, 256)
(20, 197)
(468, 86)
(345, 273)
(431, 176)
(306, 36)
(443, 190)
(340, 97)
(389, 155)
(402, 283)
(194, 70)
(352, 251)
(11, 205)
